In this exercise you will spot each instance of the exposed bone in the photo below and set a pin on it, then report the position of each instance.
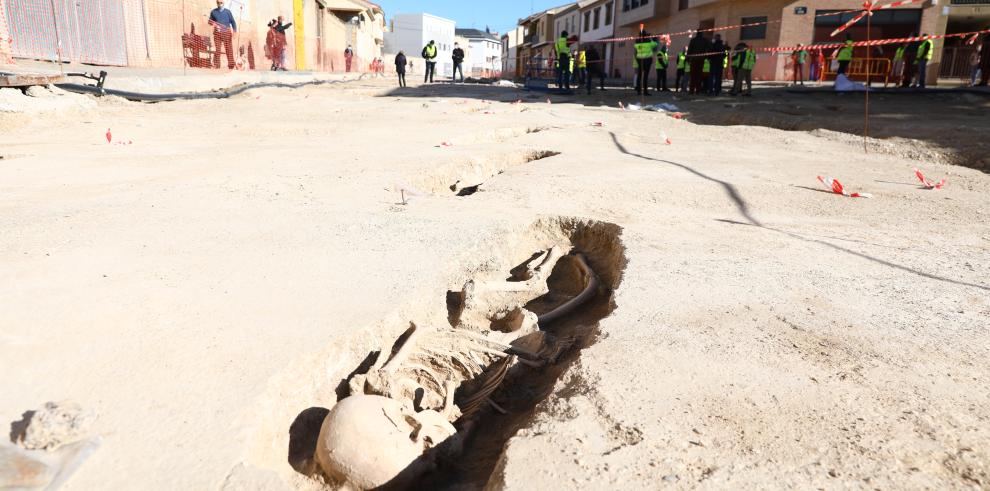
(495, 406)
(448, 403)
(585, 295)
(551, 257)
(406, 403)
(404, 351)
(474, 402)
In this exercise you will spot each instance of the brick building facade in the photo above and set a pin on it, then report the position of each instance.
(788, 23)
(173, 33)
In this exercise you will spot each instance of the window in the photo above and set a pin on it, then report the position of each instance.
(625, 5)
(598, 16)
(587, 21)
(753, 32)
(608, 13)
(683, 4)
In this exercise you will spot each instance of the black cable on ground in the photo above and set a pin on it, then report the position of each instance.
(213, 94)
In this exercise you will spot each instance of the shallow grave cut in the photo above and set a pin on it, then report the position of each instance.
(471, 175)
(436, 410)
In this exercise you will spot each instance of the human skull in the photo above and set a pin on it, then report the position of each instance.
(368, 440)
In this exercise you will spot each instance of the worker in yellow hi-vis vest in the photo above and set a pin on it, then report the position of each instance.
(582, 67)
(845, 55)
(743, 62)
(645, 47)
(563, 62)
(897, 69)
(662, 60)
(682, 65)
(925, 52)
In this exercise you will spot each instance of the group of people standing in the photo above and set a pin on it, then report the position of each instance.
(701, 66)
(429, 55)
(579, 66)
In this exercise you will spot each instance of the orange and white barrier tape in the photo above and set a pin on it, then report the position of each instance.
(929, 184)
(868, 8)
(836, 187)
(777, 50)
(690, 32)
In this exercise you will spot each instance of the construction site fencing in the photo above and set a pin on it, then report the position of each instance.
(871, 69)
(180, 34)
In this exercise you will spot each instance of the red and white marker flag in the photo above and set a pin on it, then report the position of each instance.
(548, 101)
(666, 139)
(597, 123)
(445, 144)
(622, 106)
(929, 184)
(109, 136)
(837, 188)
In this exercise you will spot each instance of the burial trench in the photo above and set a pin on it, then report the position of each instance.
(465, 176)
(475, 176)
(544, 311)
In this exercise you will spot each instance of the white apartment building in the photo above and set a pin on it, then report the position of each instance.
(598, 22)
(510, 52)
(411, 32)
(566, 18)
(483, 53)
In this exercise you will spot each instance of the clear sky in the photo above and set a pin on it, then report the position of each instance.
(499, 15)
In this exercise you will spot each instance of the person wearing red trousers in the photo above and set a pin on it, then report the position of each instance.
(698, 49)
(224, 28)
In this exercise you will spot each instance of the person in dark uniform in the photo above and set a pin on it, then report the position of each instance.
(985, 61)
(717, 62)
(400, 68)
(910, 67)
(596, 66)
(458, 58)
(697, 48)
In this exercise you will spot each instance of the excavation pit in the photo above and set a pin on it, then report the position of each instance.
(474, 174)
(451, 397)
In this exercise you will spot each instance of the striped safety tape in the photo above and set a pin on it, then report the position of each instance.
(837, 188)
(929, 184)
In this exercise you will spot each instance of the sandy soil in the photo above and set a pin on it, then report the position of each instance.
(210, 284)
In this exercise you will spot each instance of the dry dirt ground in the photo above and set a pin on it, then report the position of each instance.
(208, 286)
